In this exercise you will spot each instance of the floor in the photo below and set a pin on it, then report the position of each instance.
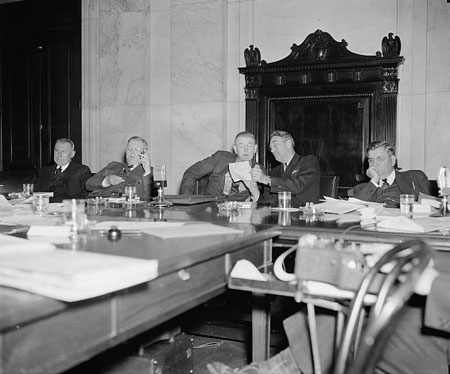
(207, 350)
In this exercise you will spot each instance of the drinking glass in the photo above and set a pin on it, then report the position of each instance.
(27, 189)
(40, 203)
(130, 193)
(284, 199)
(406, 204)
(160, 181)
(75, 214)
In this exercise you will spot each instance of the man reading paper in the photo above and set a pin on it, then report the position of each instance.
(216, 169)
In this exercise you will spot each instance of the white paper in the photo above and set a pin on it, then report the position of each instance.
(49, 231)
(74, 275)
(11, 245)
(240, 171)
(192, 230)
(419, 225)
(135, 225)
(338, 206)
(244, 269)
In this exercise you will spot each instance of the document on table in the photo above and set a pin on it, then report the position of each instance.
(240, 171)
(193, 230)
(74, 275)
(143, 226)
(337, 206)
(419, 225)
(12, 245)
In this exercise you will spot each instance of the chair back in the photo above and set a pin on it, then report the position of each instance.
(329, 186)
(408, 261)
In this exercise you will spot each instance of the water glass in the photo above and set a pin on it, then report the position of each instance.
(130, 193)
(75, 214)
(27, 189)
(40, 203)
(406, 204)
(284, 199)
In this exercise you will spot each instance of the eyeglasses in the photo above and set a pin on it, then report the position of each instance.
(378, 160)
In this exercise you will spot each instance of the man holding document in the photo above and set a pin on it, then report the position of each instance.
(386, 183)
(297, 174)
(228, 173)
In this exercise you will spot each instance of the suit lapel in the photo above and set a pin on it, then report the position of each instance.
(290, 168)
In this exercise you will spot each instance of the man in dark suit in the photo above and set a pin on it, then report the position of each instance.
(215, 168)
(65, 179)
(114, 177)
(298, 174)
(386, 183)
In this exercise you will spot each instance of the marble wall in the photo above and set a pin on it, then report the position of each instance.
(167, 70)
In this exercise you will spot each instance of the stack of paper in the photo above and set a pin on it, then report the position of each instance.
(73, 275)
(418, 225)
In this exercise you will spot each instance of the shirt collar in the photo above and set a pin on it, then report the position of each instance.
(390, 179)
(63, 167)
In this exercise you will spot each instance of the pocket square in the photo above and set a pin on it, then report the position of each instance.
(295, 171)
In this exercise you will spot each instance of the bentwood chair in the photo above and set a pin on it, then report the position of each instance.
(408, 261)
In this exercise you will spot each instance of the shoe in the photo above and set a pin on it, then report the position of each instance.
(282, 363)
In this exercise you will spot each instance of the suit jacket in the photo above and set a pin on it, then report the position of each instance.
(214, 167)
(409, 182)
(301, 178)
(134, 177)
(74, 179)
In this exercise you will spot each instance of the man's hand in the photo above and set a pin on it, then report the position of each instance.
(144, 159)
(112, 180)
(373, 175)
(253, 188)
(258, 175)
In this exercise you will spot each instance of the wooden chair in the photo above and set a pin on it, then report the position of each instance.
(329, 186)
(408, 261)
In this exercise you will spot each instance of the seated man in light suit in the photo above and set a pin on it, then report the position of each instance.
(386, 183)
(215, 167)
(298, 174)
(66, 179)
(419, 343)
(114, 177)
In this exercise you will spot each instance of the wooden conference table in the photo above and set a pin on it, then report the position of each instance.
(39, 334)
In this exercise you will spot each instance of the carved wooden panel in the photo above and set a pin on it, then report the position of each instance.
(333, 101)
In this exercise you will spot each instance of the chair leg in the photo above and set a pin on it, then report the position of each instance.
(313, 337)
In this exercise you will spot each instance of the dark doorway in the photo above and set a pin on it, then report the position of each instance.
(41, 80)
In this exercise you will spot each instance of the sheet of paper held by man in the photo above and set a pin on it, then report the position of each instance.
(240, 171)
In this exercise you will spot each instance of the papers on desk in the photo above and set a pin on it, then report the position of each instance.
(167, 230)
(193, 230)
(336, 206)
(240, 171)
(417, 225)
(12, 245)
(74, 275)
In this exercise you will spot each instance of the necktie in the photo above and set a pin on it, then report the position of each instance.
(285, 166)
(58, 171)
(385, 184)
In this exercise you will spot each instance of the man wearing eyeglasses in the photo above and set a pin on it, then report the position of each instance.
(386, 182)
(215, 169)
(297, 174)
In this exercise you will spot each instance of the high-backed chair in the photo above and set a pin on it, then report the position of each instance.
(408, 261)
(329, 186)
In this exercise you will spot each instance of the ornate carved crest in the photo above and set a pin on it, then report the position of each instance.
(252, 56)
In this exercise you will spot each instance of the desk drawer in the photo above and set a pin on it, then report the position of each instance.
(170, 295)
